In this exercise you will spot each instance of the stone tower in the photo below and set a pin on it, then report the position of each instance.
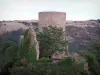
(52, 18)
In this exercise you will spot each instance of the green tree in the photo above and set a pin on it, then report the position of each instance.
(90, 58)
(96, 50)
(10, 51)
(67, 61)
(7, 52)
(26, 51)
(32, 55)
(93, 66)
(24, 45)
(51, 39)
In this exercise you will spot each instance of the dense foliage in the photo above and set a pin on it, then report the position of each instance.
(51, 39)
(23, 53)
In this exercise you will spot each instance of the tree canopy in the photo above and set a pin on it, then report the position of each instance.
(51, 39)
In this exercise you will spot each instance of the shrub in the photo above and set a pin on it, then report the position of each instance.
(67, 61)
(43, 60)
(41, 68)
(66, 66)
(19, 71)
(61, 70)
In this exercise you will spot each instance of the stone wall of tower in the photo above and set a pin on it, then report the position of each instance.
(52, 18)
(34, 41)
